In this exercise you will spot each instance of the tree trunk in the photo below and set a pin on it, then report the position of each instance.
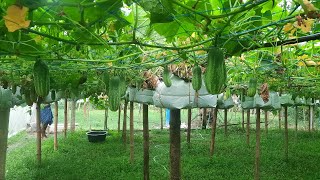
(248, 127)
(296, 119)
(175, 145)
(189, 127)
(38, 122)
(145, 142)
(124, 126)
(73, 116)
(279, 114)
(266, 121)
(204, 118)
(257, 158)
(119, 117)
(242, 119)
(131, 133)
(225, 122)
(213, 130)
(286, 139)
(55, 137)
(161, 119)
(4, 125)
(65, 116)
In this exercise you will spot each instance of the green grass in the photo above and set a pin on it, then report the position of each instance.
(233, 159)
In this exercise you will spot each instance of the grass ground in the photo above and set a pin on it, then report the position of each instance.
(76, 158)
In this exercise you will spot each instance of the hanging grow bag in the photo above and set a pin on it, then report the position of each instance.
(143, 96)
(273, 103)
(248, 103)
(181, 95)
(224, 104)
(299, 101)
(286, 100)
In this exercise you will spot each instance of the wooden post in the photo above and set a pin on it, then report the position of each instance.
(175, 144)
(248, 127)
(124, 127)
(311, 118)
(225, 122)
(204, 118)
(286, 139)
(266, 121)
(309, 125)
(296, 119)
(145, 142)
(119, 117)
(161, 119)
(38, 123)
(242, 112)
(131, 133)
(55, 131)
(189, 127)
(73, 115)
(279, 117)
(106, 113)
(213, 130)
(65, 117)
(258, 151)
(4, 125)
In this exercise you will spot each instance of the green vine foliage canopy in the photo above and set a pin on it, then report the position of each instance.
(81, 35)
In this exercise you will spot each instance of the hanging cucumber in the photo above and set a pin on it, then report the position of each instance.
(196, 78)
(166, 76)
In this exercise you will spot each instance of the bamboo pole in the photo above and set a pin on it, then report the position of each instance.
(124, 126)
(131, 133)
(106, 114)
(175, 144)
(65, 116)
(55, 131)
(145, 142)
(242, 117)
(189, 127)
(213, 130)
(309, 125)
(279, 117)
(286, 139)
(258, 150)
(4, 125)
(38, 132)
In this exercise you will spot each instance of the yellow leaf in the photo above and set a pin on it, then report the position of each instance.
(303, 57)
(305, 26)
(15, 18)
(300, 63)
(287, 27)
(311, 63)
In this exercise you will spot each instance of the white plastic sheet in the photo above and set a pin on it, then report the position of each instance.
(181, 95)
(286, 100)
(273, 103)
(224, 104)
(143, 96)
(19, 117)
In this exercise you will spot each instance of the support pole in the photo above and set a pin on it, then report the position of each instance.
(189, 127)
(145, 142)
(286, 139)
(226, 122)
(258, 151)
(213, 130)
(175, 144)
(131, 133)
(38, 122)
(248, 127)
(124, 126)
(204, 118)
(55, 131)
(161, 119)
(4, 125)
(266, 123)
(65, 117)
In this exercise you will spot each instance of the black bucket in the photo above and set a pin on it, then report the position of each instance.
(97, 135)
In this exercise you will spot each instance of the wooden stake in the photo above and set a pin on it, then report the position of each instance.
(309, 125)
(189, 127)
(225, 122)
(131, 133)
(248, 127)
(296, 119)
(4, 125)
(124, 126)
(266, 121)
(106, 112)
(175, 144)
(242, 119)
(257, 158)
(213, 130)
(119, 117)
(279, 117)
(161, 119)
(286, 139)
(204, 118)
(65, 116)
(145, 142)
(38, 122)
(55, 131)
(73, 116)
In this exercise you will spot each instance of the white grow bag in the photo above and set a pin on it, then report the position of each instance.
(181, 95)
